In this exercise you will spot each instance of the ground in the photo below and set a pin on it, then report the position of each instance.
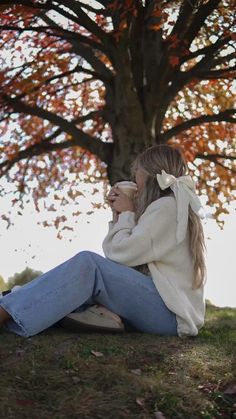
(61, 374)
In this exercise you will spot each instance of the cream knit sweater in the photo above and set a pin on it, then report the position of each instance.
(153, 241)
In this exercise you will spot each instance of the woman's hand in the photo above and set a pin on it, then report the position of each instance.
(119, 201)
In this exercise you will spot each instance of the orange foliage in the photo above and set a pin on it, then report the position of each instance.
(40, 69)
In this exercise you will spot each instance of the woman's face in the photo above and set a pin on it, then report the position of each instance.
(140, 179)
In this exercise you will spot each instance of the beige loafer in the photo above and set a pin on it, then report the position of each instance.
(94, 318)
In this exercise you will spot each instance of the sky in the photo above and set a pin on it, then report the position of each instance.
(29, 244)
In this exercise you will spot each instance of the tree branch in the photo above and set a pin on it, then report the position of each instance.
(207, 50)
(89, 24)
(46, 147)
(84, 39)
(223, 59)
(88, 116)
(199, 18)
(207, 63)
(101, 71)
(219, 74)
(59, 76)
(60, 33)
(84, 50)
(47, 81)
(6, 165)
(185, 11)
(103, 12)
(31, 4)
(226, 116)
(92, 144)
(214, 157)
(104, 73)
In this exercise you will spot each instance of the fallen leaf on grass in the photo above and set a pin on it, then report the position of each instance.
(97, 354)
(136, 371)
(140, 401)
(159, 415)
(76, 380)
(208, 387)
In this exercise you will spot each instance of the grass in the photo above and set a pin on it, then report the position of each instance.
(58, 374)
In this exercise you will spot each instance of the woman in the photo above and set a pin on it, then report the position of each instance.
(154, 270)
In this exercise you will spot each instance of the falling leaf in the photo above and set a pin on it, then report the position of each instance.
(159, 415)
(96, 205)
(77, 213)
(97, 354)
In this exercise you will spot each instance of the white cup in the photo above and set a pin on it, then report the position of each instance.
(129, 188)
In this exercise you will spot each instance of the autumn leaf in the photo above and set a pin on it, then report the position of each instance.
(7, 219)
(76, 380)
(174, 60)
(140, 401)
(155, 26)
(67, 228)
(76, 213)
(96, 205)
(156, 12)
(46, 224)
(97, 354)
(159, 415)
(2, 77)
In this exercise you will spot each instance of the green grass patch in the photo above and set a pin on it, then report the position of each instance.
(58, 375)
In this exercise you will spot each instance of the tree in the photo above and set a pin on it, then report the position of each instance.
(3, 286)
(23, 277)
(89, 85)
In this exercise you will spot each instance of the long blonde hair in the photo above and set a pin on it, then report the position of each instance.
(152, 161)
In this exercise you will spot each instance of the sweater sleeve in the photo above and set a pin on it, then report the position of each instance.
(147, 241)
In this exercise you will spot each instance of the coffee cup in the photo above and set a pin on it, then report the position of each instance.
(127, 187)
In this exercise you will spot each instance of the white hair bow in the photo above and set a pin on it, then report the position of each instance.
(185, 195)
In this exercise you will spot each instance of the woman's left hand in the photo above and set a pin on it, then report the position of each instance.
(120, 201)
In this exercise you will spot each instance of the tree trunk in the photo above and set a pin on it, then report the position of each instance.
(128, 127)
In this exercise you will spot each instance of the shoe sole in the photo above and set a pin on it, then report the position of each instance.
(77, 326)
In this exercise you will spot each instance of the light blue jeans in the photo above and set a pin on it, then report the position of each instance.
(85, 279)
